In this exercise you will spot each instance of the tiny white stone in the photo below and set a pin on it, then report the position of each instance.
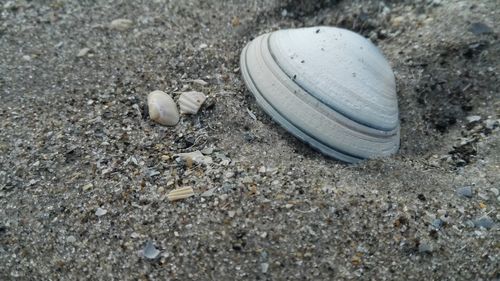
(100, 212)
(162, 109)
(495, 191)
(262, 169)
(71, 239)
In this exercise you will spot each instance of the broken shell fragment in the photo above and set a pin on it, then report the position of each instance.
(194, 157)
(121, 24)
(150, 251)
(162, 108)
(180, 193)
(190, 102)
(330, 87)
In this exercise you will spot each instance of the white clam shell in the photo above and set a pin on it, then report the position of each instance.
(162, 108)
(190, 102)
(329, 87)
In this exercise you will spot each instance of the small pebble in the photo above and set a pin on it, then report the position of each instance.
(396, 21)
(235, 21)
(71, 239)
(479, 28)
(262, 169)
(207, 150)
(483, 196)
(465, 191)
(100, 212)
(437, 223)
(495, 191)
(491, 123)
(484, 221)
(150, 251)
(424, 247)
(247, 179)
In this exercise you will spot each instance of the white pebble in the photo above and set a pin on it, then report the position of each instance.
(100, 212)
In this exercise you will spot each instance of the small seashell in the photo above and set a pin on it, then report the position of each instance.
(180, 193)
(162, 108)
(190, 102)
(330, 87)
(121, 24)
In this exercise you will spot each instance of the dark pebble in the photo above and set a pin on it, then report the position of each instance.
(484, 221)
(479, 28)
(437, 223)
(465, 191)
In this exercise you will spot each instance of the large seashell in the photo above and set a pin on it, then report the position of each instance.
(162, 108)
(330, 87)
(190, 102)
